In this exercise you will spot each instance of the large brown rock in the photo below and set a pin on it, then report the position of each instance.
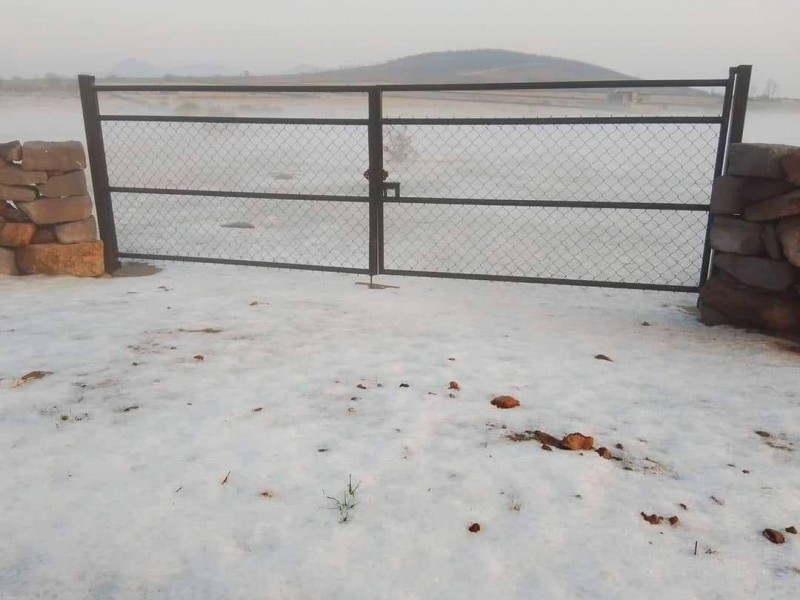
(13, 175)
(69, 184)
(772, 244)
(48, 211)
(730, 234)
(53, 156)
(785, 205)
(16, 193)
(730, 195)
(762, 273)
(791, 166)
(748, 307)
(758, 160)
(11, 213)
(77, 232)
(11, 151)
(789, 234)
(16, 234)
(81, 260)
(8, 262)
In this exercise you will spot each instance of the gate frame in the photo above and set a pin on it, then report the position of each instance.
(731, 123)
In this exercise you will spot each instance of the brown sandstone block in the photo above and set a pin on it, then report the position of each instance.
(758, 160)
(16, 193)
(789, 234)
(745, 306)
(77, 232)
(53, 156)
(791, 166)
(44, 235)
(8, 212)
(785, 205)
(16, 234)
(13, 175)
(81, 260)
(48, 211)
(8, 262)
(758, 272)
(731, 234)
(11, 151)
(69, 184)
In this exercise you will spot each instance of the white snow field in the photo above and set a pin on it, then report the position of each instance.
(136, 470)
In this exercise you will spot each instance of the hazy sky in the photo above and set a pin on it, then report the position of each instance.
(645, 38)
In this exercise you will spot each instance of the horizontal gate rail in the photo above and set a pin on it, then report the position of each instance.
(442, 87)
(243, 263)
(559, 121)
(227, 194)
(675, 206)
(549, 280)
(243, 120)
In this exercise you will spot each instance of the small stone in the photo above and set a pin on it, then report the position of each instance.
(199, 357)
(603, 357)
(69, 184)
(53, 156)
(546, 448)
(454, 386)
(619, 446)
(774, 536)
(474, 528)
(604, 453)
(404, 385)
(16, 234)
(361, 386)
(577, 441)
(653, 519)
(15, 193)
(683, 506)
(674, 521)
(505, 402)
(13, 175)
(792, 529)
(11, 151)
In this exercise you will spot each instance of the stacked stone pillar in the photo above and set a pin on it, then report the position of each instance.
(755, 235)
(46, 222)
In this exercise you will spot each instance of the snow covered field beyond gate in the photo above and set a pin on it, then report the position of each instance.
(112, 471)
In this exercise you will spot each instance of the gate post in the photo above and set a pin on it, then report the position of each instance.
(376, 177)
(95, 148)
(734, 107)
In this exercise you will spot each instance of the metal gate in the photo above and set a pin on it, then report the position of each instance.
(614, 201)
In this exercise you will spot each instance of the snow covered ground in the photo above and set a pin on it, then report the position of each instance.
(136, 470)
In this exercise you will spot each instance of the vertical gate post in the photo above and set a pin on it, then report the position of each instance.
(375, 136)
(740, 95)
(719, 166)
(96, 151)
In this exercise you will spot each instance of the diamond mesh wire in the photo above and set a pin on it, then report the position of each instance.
(593, 163)
(241, 157)
(653, 247)
(332, 234)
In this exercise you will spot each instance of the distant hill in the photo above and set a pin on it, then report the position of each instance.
(463, 66)
(132, 68)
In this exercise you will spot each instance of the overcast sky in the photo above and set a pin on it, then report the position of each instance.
(645, 38)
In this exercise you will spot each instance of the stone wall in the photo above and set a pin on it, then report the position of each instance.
(755, 234)
(46, 222)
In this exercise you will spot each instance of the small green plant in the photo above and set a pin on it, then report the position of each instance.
(347, 503)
